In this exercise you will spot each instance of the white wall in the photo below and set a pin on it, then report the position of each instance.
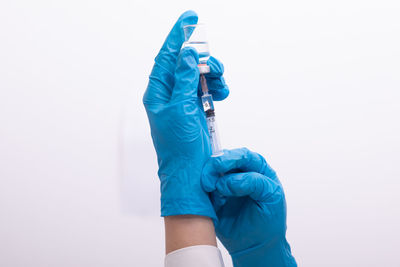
(314, 87)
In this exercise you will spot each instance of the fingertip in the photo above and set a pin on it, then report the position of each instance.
(216, 82)
(173, 43)
(220, 94)
(216, 67)
(189, 15)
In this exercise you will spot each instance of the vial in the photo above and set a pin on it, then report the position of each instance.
(196, 37)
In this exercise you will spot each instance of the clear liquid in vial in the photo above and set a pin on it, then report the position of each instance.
(202, 49)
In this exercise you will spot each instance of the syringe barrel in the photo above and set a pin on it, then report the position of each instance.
(208, 106)
(208, 103)
(216, 148)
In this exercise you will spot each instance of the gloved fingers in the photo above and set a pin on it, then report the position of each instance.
(215, 81)
(252, 184)
(172, 45)
(216, 68)
(162, 75)
(186, 75)
(241, 159)
(219, 90)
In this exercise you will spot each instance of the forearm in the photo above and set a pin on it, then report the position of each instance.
(188, 230)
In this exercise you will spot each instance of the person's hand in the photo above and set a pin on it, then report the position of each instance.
(177, 122)
(251, 209)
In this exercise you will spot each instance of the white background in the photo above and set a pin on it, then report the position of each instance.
(314, 87)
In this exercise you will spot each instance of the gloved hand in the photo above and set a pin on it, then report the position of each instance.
(177, 121)
(251, 209)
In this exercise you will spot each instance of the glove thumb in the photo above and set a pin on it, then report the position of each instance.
(186, 75)
(252, 184)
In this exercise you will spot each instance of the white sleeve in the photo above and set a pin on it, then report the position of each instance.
(195, 256)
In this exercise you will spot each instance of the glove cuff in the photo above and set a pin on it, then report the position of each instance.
(182, 194)
(187, 206)
(272, 254)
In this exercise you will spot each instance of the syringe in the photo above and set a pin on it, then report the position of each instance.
(195, 36)
(209, 110)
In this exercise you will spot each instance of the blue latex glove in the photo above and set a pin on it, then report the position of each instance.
(177, 121)
(251, 209)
